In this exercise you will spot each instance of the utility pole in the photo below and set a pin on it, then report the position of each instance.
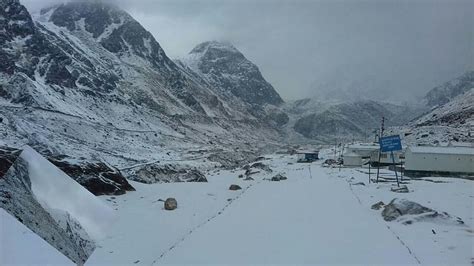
(382, 128)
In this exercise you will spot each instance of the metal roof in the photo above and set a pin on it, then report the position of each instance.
(442, 150)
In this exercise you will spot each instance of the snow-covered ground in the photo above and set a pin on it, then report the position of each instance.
(319, 215)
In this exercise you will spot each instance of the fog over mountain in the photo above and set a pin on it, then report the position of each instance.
(401, 48)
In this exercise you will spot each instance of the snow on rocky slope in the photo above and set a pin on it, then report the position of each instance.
(442, 94)
(85, 81)
(327, 120)
(227, 69)
(51, 204)
(450, 118)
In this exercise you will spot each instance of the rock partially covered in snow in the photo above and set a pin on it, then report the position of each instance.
(171, 204)
(400, 207)
(97, 177)
(234, 187)
(167, 173)
(278, 177)
(261, 166)
(402, 189)
(378, 205)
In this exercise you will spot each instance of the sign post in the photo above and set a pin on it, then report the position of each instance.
(390, 144)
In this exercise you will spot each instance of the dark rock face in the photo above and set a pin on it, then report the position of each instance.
(98, 178)
(8, 156)
(170, 204)
(228, 69)
(168, 173)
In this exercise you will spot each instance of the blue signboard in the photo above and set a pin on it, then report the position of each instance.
(390, 143)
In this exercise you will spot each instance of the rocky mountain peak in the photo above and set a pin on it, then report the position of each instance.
(112, 27)
(15, 21)
(214, 46)
(227, 69)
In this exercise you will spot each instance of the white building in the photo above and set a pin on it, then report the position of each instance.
(352, 159)
(357, 154)
(386, 158)
(364, 150)
(429, 161)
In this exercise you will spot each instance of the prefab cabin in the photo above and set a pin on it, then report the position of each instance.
(307, 156)
(356, 153)
(352, 159)
(386, 158)
(439, 161)
(364, 150)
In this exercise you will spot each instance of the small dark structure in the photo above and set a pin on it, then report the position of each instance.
(307, 156)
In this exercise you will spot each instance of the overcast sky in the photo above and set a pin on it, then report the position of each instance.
(400, 48)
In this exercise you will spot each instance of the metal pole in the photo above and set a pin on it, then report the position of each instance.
(378, 165)
(395, 167)
(370, 162)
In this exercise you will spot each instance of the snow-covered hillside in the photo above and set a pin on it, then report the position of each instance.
(327, 120)
(442, 94)
(86, 82)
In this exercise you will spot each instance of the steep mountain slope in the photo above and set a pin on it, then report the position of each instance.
(449, 90)
(458, 111)
(227, 69)
(87, 81)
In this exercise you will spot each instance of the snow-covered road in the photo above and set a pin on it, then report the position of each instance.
(314, 217)
(300, 220)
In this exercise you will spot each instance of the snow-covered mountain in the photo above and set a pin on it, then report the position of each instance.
(229, 72)
(458, 111)
(449, 90)
(325, 120)
(86, 82)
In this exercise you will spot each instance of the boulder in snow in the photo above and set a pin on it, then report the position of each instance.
(171, 204)
(400, 207)
(278, 177)
(402, 189)
(234, 187)
(378, 205)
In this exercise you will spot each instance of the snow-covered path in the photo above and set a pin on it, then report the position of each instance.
(301, 220)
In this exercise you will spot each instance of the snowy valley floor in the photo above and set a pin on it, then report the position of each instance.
(317, 216)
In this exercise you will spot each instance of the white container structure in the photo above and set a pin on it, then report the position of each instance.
(352, 160)
(386, 158)
(356, 154)
(364, 150)
(439, 161)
